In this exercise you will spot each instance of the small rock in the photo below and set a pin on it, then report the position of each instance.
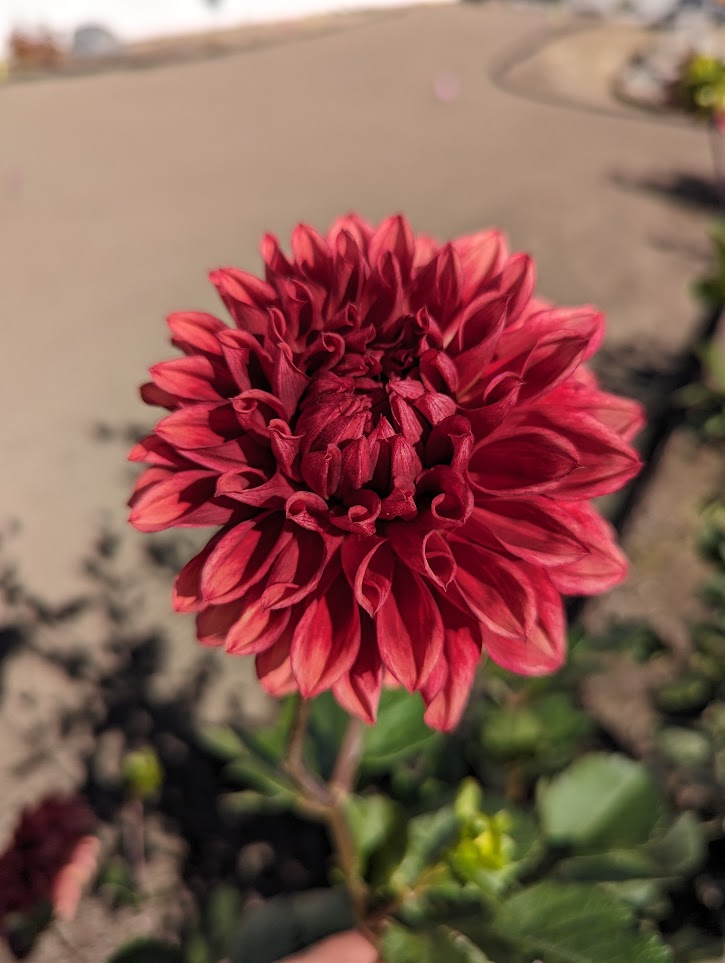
(94, 40)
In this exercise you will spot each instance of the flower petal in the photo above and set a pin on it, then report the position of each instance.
(410, 630)
(326, 639)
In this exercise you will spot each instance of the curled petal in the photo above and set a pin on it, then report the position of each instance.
(251, 487)
(361, 515)
(451, 500)
(368, 565)
(308, 511)
(425, 550)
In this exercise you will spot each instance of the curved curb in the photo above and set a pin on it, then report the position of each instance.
(519, 54)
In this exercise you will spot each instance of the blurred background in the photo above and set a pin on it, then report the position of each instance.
(143, 144)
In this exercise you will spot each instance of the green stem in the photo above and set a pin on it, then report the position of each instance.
(328, 801)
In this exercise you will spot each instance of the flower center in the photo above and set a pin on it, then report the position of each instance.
(374, 433)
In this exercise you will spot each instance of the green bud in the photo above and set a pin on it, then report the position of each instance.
(143, 773)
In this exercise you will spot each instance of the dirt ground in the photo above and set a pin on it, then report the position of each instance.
(119, 190)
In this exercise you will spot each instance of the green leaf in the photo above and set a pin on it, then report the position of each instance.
(272, 741)
(615, 866)
(600, 802)
(399, 732)
(252, 771)
(511, 733)
(574, 924)
(325, 729)
(222, 741)
(249, 801)
(197, 950)
(221, 917)
(438, 945)
(428, 836)
(685, 747)
(148, 951)
(379, 827)
(681, 849)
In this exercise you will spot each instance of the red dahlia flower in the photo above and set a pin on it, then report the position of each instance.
(399, 444)
(53, 854)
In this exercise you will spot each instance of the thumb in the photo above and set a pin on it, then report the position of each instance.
(344, 948)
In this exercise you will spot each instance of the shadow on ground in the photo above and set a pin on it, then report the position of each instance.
(682, 187)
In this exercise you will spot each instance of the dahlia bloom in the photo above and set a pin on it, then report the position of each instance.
(52, 856)
(399, 443)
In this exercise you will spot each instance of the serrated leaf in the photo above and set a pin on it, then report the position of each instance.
(601, 802)
(399, 732)
(574, 924)
(148, 951)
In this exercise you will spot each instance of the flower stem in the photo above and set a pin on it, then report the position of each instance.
(314, 792)
(341, 785)
(348, 759)
(328, 801)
